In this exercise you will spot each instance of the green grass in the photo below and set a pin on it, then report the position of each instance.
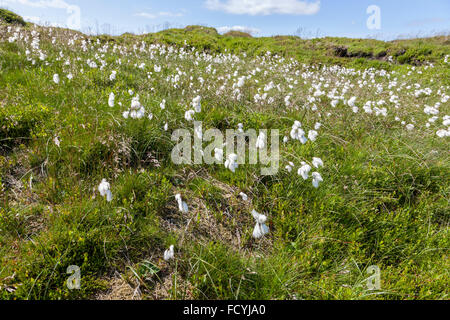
(11, 17)
(323, 50)
(384, 199)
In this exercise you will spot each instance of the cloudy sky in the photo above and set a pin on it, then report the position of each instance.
(384, 19)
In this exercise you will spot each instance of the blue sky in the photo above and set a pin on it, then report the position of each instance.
(311, 18)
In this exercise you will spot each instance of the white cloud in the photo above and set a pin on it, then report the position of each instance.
(159, 14)
(57, 4)
(265, 7)
(249, 30)
(73, 21)
(146, 15)
(41, 22)
(36, 20)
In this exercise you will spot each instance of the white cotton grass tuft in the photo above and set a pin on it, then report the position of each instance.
(312, 135)
(105, 190)
(139, 114)
(196, 103)
(182, 206)
(162, 105)
(304, 170)
(135, 103)
(443, 133)
(352, 104)
(446, 121)
(231, 162)
(137, 111)
(169, 253)
(189, 115)
(289, 167)
(56, 141)
(261, 141)
(243, 196)
(260, 229)
(111, 99)
(317, 162)
(317, 178)
(297, 133)
(56, 78)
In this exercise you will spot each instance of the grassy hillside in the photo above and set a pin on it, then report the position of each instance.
(356, 53)
(323, 50)
(9, 17)
(380, 126)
